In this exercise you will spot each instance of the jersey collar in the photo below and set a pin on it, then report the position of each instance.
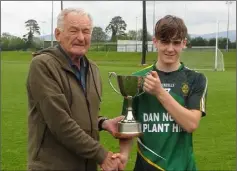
(179, 69)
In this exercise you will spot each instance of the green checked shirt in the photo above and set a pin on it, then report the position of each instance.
(164, 145)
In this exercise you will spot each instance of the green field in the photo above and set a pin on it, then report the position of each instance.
(214, 141)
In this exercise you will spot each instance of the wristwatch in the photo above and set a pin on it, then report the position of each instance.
(101, 120)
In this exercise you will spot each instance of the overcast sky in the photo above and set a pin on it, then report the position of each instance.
(199, 16)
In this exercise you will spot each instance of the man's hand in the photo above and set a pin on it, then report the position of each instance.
(123, 159)
(152, 83)
(110, 163)
(111, 125)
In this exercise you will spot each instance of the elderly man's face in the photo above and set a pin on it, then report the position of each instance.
(75, 38)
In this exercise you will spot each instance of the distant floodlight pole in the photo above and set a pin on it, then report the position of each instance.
(52, 27)
(136, 34)
(227, 41)
(43, 31)
(217, 34)
(144, 33)
(61, 5)
(185, 7)
(154, 6)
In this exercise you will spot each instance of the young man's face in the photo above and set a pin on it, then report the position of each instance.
(169, 50)
(75, 37)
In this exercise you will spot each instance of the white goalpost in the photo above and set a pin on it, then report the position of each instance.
(219, 59)
(204, 57)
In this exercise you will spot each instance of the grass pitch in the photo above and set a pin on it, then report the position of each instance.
(214, 141)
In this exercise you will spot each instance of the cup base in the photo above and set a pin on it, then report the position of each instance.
(128, 129)
(121, 135)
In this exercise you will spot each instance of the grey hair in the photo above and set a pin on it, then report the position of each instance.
(66, 11)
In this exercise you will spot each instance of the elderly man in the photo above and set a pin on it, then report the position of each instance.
(64, 92)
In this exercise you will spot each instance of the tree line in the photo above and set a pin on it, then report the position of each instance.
(27, 41)
(116, 30)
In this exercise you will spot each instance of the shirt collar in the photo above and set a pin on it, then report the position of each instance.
(82, 58)
(179, 69)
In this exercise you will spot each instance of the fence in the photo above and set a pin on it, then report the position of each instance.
(125, 47)
(133, 46)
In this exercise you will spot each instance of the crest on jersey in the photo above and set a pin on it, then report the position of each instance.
(185, 89)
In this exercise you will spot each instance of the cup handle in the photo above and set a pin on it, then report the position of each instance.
(113, 74)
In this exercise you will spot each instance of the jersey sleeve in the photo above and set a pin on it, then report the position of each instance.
(198, 94)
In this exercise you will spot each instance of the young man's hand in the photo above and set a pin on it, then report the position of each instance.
(123, 159)
(152, 84)
(110, 163)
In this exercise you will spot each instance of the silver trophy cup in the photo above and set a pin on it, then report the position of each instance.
(129, 87)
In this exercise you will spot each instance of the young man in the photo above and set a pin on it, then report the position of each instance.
(171, 107)
(64, 93)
